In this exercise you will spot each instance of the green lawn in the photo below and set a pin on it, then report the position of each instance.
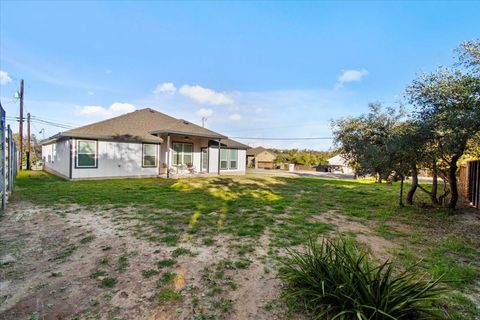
(285, 209)
(241, 206)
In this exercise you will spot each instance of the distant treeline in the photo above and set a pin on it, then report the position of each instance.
(304, 157)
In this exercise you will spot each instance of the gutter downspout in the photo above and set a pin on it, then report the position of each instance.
(168, 156)
(159, 156)
(219, 148)
(71, 159)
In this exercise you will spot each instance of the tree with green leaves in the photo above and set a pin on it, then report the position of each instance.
(444, 126)
(303, 157)
(447, 102)
(365, 141)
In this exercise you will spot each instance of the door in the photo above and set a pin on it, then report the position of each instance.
(204, 162)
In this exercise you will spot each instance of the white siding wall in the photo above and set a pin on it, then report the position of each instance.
(115, 159)
(213, 160)
(56, 157)
(120, 159)
(242, 160)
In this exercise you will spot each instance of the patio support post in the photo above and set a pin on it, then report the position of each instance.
(219, 147)
(168, 156)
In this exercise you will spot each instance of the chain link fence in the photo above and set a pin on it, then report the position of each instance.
(8, 159)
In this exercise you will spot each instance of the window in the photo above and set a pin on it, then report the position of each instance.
(182, 153)
(233, 158)
(188, 154)
(228, 159)
(149, 155)
(86, 154)
(224, 153)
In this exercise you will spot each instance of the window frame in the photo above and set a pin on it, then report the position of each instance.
(182, 153)
(77, 166)
(229, 159)
(226, 159)
(143, 155)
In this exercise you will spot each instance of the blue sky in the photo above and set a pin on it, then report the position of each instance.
(255, 69)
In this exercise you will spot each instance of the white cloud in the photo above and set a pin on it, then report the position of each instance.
(116, 108)
(235, 117)
(203, 112)
(351, 76)
(166, 87)
(93, 111)
(108, 71)
(205, 95)
(4, 78)
(90, 93)
(119, 107)
(284, 113)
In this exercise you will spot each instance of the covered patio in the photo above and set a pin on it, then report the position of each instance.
(186, 153)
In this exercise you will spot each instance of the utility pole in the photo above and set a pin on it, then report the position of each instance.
(20, 127)
(28, 141)
(203, 122)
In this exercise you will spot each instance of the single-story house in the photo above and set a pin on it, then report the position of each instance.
(260, 157)
(339, 164)
(143, 143)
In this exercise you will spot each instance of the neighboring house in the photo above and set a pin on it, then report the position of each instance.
(260, 157)
(339, 164)
(143, 143)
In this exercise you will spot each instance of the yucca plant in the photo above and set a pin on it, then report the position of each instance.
(335, 279)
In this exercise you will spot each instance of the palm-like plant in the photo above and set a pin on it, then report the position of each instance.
(336, 280)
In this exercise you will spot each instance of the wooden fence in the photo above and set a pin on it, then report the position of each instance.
(469, 182)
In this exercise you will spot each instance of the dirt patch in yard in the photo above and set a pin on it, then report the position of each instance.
(363, 231)
(61, 263)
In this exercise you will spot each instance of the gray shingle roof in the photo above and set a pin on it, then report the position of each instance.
(229, 143)
(139, 126)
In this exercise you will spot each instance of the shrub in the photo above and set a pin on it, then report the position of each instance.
(336, 280)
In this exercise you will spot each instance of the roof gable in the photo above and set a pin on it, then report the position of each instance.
(256, 151)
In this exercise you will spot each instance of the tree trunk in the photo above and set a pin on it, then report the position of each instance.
(400, 202)
(378, 178)
(452, 177)
(433, 195)
(413, 186)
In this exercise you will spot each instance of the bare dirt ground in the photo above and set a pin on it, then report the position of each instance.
(379, 247)
(49, 257)
(38, 282)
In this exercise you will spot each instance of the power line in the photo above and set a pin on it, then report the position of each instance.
(52, 122)
(57, 121)
(66, 126)
(306, 138)
(41, 121)
(311, 124)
